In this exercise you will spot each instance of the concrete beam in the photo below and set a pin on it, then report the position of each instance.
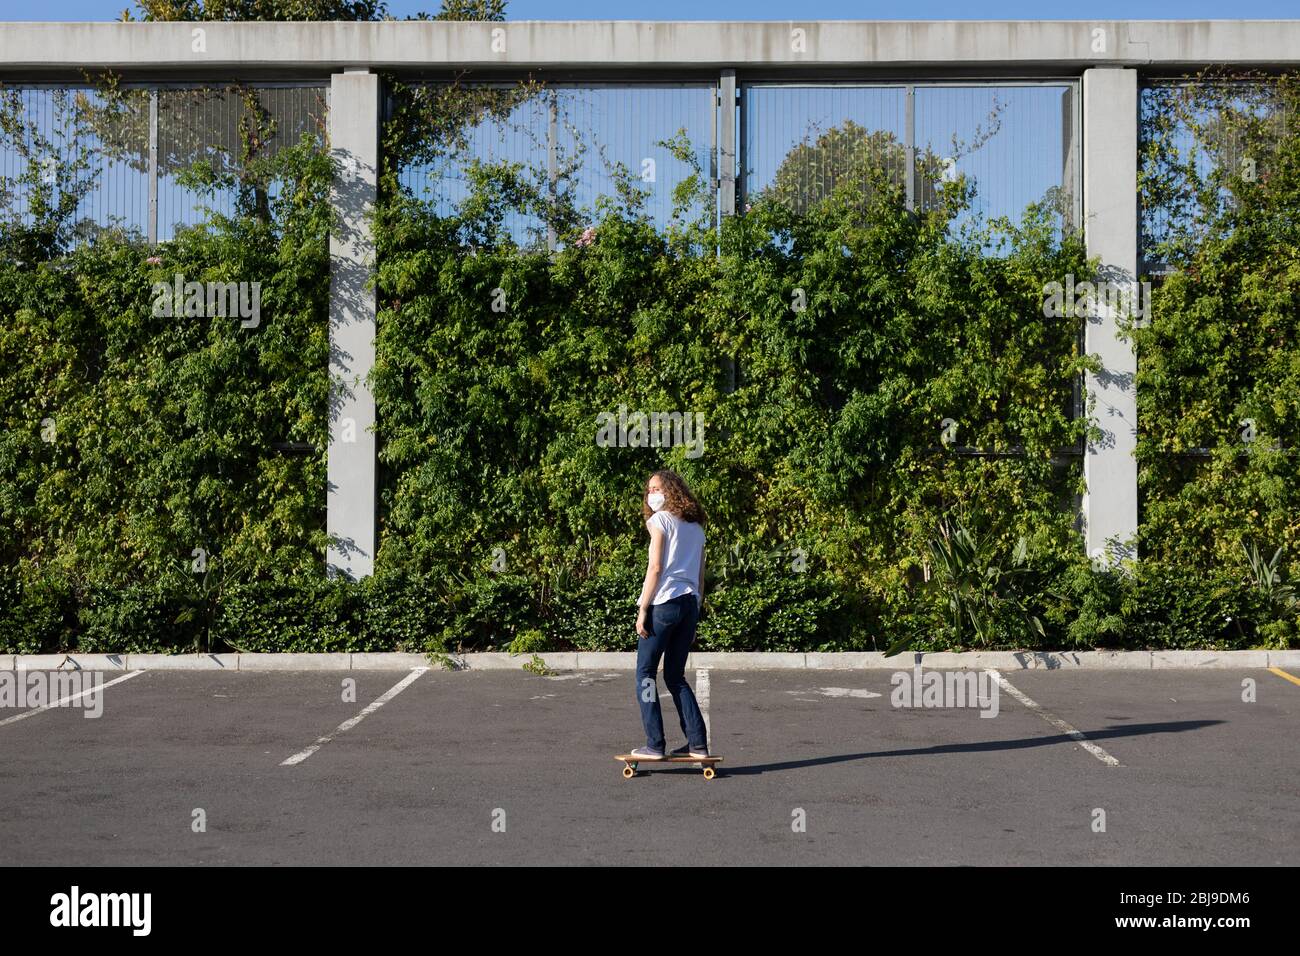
(1053, 46)
(1110, 204)
(352, 487)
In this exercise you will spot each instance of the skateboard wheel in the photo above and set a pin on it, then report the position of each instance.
(708, 773)
(628, 771)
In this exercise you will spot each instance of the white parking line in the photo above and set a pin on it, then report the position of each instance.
(71, 697)
(836, 692)
(392, 692)
(702, 698)
(1055, 721)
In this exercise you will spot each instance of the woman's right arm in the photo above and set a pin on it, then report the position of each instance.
(653, 568)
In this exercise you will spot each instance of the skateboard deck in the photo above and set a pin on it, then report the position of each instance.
(630, 763)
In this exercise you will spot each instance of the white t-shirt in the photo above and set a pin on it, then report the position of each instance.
(682, 557)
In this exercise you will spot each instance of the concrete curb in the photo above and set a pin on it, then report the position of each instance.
(502, 661)
(751, 660)
(378, 661)
(596, 660)
(297, 662)
(183, 662)
(626, 660)
(70, 662)
(1200, 659)
(1284, 658)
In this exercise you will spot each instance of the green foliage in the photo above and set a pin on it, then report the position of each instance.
(199, 10)
(599, 613)
(830, 435)
(537, 665)
(299, 616)
(1210, 610)
(849, 154)
(131, 440)
(38, 609)
(860, 158)
(145, 503)
(530, 642)
(39, 204)
(777, 613)
(141, 471)
(404, 612)
(1219, 365)
(1267, 578)
(487, 612)
(1088, 606)
(977, 588)
(138, 618)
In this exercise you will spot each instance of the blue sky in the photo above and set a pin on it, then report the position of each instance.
(770, 10)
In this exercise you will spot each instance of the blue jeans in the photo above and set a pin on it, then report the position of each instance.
(672, 632)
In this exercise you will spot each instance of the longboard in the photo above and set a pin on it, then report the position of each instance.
(630, 763)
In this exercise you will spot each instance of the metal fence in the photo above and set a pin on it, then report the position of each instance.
(572, 142)
(221, 128)
(1017, 143)
(75, 141)
(126, 153)
(1205, 139)
(798, 142)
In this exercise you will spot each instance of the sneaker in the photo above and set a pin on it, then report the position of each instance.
(645, 753)
(686, 750)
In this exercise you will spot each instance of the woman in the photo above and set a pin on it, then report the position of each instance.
(668, 610)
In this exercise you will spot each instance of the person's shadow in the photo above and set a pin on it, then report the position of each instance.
(1024, 743)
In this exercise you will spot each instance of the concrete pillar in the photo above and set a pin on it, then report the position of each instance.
(727, 145)
(354, 146)
(728, 150)
(1110, 209)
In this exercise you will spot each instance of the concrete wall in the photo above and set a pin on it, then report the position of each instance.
(1053, 46)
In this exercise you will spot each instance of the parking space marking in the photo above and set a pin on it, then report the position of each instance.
(836, 692)
(71, 697)
(347, 725)
(702, 698)
(1055, 721)
(1284, 675)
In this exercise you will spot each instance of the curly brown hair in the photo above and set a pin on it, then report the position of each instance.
(677, 497)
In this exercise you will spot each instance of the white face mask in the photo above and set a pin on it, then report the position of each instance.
(655, 500)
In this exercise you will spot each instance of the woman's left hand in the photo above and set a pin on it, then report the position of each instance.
(641, 623)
